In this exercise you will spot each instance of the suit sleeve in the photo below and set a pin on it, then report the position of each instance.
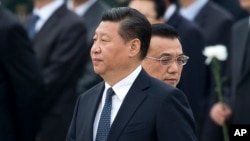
(25, 76)
(175, 119)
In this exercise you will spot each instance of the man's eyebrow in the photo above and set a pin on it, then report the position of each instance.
(181, 54)
(165, 54)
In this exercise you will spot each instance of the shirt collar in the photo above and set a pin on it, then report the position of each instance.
(193, 9)
(122, 87)
(81, 9)
(45, 12)
(169, 12)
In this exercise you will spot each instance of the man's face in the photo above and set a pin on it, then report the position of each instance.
(146, 7)
(109, 52)
(159, 47)
(245, 4)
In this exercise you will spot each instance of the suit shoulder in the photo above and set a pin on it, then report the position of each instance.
(164, 92)
(68, 17)
(102, 5)
(242, 22)
(190, 27)
(162, 87)
(93, 89)
(220, 12)
(96, 11)
(9, 19)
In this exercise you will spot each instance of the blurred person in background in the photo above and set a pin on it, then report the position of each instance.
(235, 108)
(21, 82)
(153, 10)
(215, 23)
(59, 40)
(233, 6)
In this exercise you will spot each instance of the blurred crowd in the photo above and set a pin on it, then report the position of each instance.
(45, 62)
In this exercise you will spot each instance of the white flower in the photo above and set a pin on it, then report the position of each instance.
(218, 51)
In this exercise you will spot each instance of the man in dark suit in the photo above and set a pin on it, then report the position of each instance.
(142, 108)
(165, 59)
(193, 43)
(236, 108)
(216, 24)
(90, 11)
(60, 44)
(154, 11)
(214, 21)
(165, 46)
(21, 83)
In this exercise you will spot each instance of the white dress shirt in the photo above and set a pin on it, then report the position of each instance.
(121, 89)
(169, 12)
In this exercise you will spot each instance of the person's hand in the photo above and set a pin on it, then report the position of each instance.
(220, 112)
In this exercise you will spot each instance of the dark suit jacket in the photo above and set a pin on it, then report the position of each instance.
(233, 6)
(151, 111)
(192, 80)
(21, 84)
(92, 18)
(240, 81)
(61, 48)
(215, 23)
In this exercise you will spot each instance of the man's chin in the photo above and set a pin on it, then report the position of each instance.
(171, 82)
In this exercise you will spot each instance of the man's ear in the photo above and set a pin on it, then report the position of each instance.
(135, 47)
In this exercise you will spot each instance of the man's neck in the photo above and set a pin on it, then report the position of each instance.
(41, 3)
(76, 3)
(186, 3)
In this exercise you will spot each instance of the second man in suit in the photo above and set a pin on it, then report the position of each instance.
(60, 44)
(165, 58)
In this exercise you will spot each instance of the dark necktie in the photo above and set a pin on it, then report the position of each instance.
(104, 122)
(246, 58)
(32, 30)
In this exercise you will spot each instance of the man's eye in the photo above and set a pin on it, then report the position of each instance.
(165, 60)
(180, 59)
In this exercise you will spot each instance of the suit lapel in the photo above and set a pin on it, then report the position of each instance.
(174, 20)
(90, 106)
(96, 95)
(201, 17)
(50, 23)
(131, 103)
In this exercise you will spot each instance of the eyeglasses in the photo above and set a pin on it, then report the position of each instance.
(168, 60)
